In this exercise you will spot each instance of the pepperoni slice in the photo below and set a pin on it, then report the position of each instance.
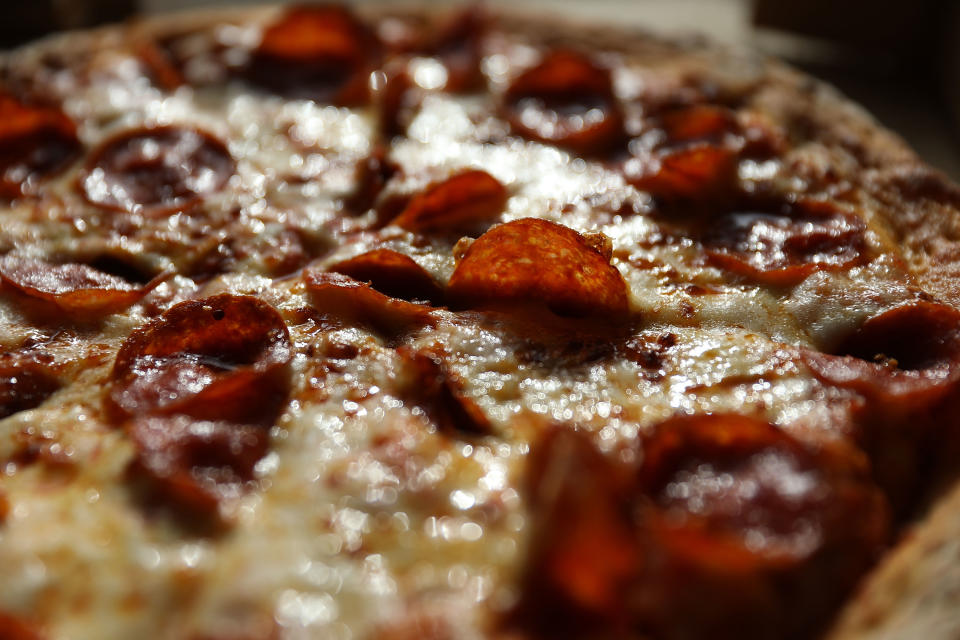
(191, 465)
(14, 628)
(392, 273)
(463, 204)
(358, 302)
(439, 392)
(584, 550)
(725, 523)
(221, 358)
(919, 336)
(566, 100)
(739, 515)
(698, 172)
(24, 384)
(698, 123)
(745, 484)
(696, 157)
(36, 142)
(156, 170)
(784, 247)
(77, 289)
(905, 363)
(533, 261)
(322, 53)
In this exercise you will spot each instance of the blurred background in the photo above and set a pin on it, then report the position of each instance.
(899, 59)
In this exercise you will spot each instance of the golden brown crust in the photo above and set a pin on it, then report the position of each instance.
(913, 594)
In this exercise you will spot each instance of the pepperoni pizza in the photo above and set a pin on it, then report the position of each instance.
(318, 323)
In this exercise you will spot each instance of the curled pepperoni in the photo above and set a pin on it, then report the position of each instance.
(698, 123)
(737, 514)
(357, 302)
(221, 358)
(36, 142)
(77, 289)
(918, 336)
(568, 101)
(24, 384)
(905, 363)
(156, 170)
(322, 53)
(464, 204)
(533, 261)
(392, 273)
(439, 392)
(699, 172)
(694, 157)
(373, 173)
(394, 101)
(191, 465)
(783, 247)
(584, 550)
(159, 64)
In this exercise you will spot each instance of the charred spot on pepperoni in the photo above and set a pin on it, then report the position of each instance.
(784, 246)
(156, 170)
(439, 392)
(357, 302)
(392, 273)
(321, 52)
(220, 358)
(463, 204)
(77, 289)
(566, 100)
(536, 262)
(24, 384)
(36, 142)
(584, 552)
(650, 352)
(189, 465)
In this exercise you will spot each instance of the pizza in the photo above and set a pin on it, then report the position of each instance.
(329, 323)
